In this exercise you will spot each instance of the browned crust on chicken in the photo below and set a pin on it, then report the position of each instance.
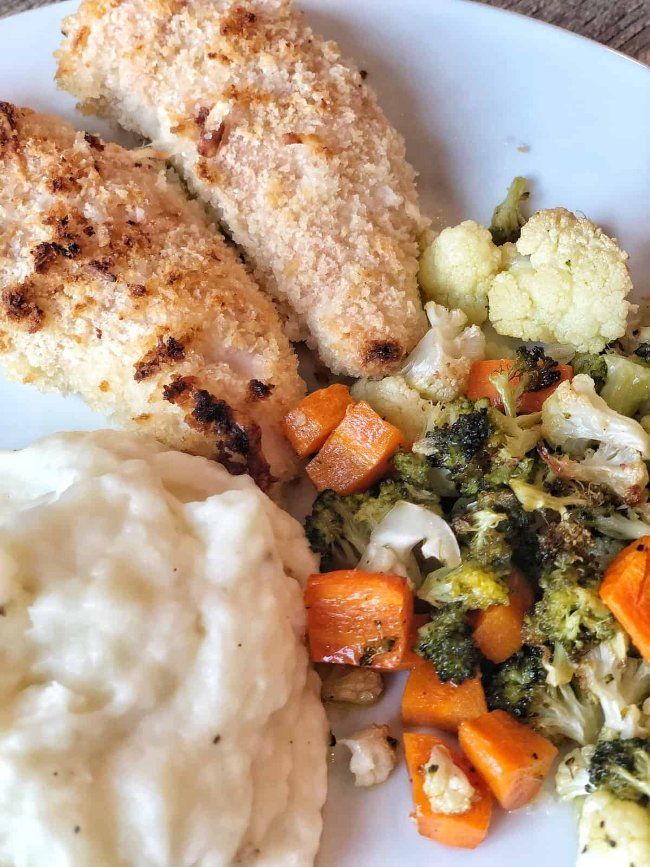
(114, 285)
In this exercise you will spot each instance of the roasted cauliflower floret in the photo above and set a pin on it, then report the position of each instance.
(457, 267)
(396, 401)
(446, 785)
(613, 833)
(575, 413)
(569, 284)
(374, 755)
(439, 365)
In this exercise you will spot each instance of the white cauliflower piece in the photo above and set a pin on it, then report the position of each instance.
(456, 269)
(621, 684)
(391, 544)
(572, 776)
(559, 667)
(622, 470)
(374, 755)
(439, 365)
(445, 784)
(575, 412)
(630, 525)
(569, 284)
(612, 832)
(396, 401)
(350, 684)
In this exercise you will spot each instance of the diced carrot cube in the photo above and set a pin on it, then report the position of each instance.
(429, 702)
(498, 629)
(311, 421)
(625, 590)
(411, 658)
(359, 618)
(511, 758)
(357, 454)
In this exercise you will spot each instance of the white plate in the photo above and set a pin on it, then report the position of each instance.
(480, 96)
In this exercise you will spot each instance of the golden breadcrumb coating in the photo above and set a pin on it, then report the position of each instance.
(115, 286)
(284, 139)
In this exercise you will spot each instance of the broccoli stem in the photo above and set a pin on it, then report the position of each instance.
(507, 218)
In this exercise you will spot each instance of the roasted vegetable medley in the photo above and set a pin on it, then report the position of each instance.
(483, 523)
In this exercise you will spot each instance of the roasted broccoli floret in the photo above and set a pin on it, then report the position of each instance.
(520, 687)
(416, 472)
(591, 365)
(569, 543)
(519, 529)
(377, 503)
(503, 468)
(507, 218)
(447, 642)
(482, 534)
(470, 585)
(453, 445)
(513, 684)
(569, 614)
(622, 767)
(565, 543)
(472, 449)
(333, 530)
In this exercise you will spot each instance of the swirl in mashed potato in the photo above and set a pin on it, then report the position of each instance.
(156, 703)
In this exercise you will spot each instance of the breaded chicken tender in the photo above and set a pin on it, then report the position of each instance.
(115, 286)
(285, 141)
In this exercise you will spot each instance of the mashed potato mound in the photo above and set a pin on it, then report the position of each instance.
(156, 703)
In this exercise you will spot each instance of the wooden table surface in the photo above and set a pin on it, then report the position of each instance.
(621, 24)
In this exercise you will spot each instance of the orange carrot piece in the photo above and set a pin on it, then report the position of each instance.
(359, 618)
(498, 629)
(625, 590)
(410, 657)
(357, 454)
(313, 419)
(511, 758)
(479, 384)
(427, 701)
(464, 830)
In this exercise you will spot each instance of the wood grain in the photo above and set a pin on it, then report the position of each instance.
(620, 24)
